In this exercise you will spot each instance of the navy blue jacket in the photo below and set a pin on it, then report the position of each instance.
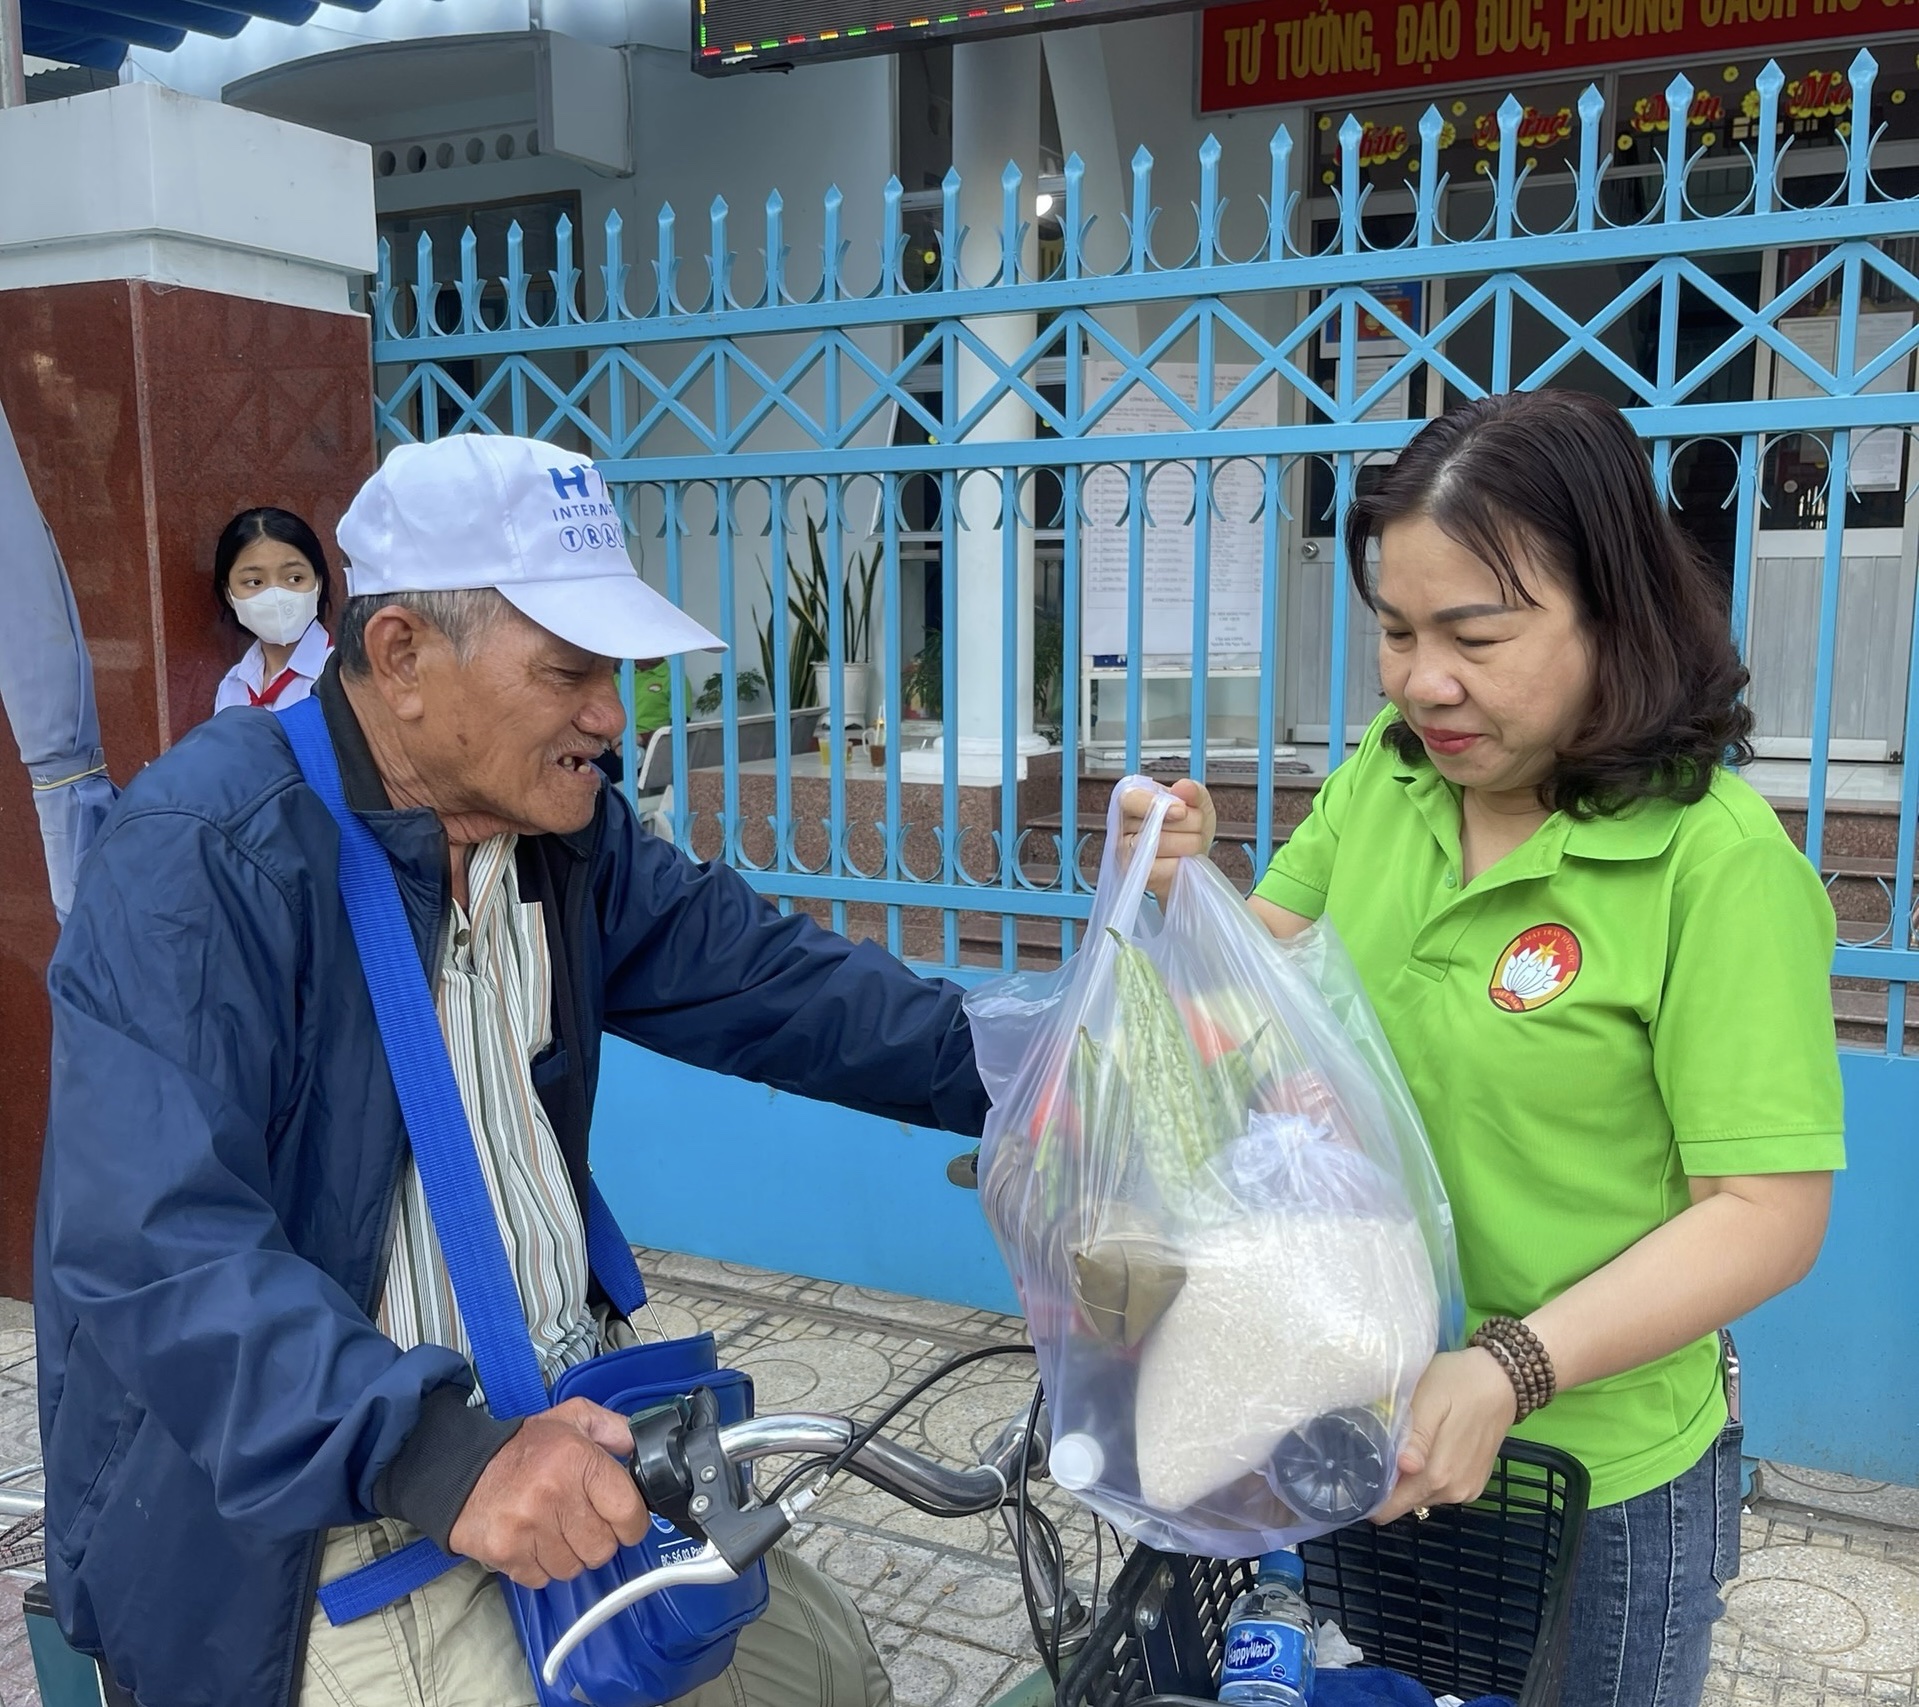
(223, 1152)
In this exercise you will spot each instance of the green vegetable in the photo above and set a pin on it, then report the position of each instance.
(1177, 1110)
(1238, 1073)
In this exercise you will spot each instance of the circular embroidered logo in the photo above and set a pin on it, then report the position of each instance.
(1534, 967)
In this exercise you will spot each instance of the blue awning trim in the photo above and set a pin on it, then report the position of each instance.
(97, 33)
(188, 15)
(96, 52)
(84, 21)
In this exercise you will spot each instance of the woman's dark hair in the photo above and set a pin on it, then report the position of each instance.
(1560, 477)
(268, 523)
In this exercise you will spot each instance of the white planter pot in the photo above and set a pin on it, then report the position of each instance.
(857, 682)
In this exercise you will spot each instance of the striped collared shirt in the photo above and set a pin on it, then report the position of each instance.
(494, 994)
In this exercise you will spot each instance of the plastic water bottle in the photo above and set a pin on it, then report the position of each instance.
(1270, 1638)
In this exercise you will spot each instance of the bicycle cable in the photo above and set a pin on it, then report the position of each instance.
(862, 1436)
(1024, 1514)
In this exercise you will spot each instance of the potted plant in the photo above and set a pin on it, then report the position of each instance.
(809, 609)
(925, 683)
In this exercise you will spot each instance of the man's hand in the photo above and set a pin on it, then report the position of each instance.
(1186, 833)
(555, 1501)
(1462, 1409)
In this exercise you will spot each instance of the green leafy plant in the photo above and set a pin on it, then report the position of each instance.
(809, 605)
(925, 683)
(748, 687)
(1049, 666)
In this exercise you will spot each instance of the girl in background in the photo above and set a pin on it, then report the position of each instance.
(270, 575)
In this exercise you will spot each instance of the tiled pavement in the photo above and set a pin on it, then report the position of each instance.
(1826, 1612)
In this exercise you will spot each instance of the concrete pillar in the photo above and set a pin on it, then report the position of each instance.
(175, 345)
(1083, 100)
(996, 94)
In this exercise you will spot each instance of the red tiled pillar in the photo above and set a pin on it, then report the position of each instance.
(147, 413)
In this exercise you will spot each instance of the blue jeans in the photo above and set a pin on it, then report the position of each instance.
(1650, 1576)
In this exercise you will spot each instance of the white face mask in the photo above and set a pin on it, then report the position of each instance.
(278, 616)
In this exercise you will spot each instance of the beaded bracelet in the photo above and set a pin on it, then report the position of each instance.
(1518, 1351)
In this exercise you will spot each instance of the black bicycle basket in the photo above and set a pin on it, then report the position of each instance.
(1472, 1601)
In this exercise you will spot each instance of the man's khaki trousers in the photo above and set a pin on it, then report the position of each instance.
(452, 1643)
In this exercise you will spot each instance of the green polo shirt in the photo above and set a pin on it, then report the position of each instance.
(1615, 1006)
(653, 697)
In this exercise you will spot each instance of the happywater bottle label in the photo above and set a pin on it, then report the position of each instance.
(1266, 1653)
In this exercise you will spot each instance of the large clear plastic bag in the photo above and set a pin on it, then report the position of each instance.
(1216, 1198)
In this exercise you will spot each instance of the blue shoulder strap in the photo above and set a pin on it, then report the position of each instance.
(610, 1256)
(463, 1214)
(442, 1141)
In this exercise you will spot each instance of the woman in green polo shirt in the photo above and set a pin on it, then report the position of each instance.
(1603, 968)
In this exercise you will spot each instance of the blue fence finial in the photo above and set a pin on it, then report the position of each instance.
(1592, 117)
(666, 265)
(1506, 195)
(1351, 131)
(1210, 206)
(425, 292)
(832, 248)
(1072, 234)
(1012, 224)
(952, 233)
(719, 259)
(515, 278)
(1279, 193)
(1855, 131)
(613, 270)
(566, 277)
(892, 239)
(1678, 147)
(1765, 170)
(1432, 128)
(1140, 225)
(773, 292)
(470, 283)
(383, 294)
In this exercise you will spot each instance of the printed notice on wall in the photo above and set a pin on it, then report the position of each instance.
(1876, 460)
(1167, 532)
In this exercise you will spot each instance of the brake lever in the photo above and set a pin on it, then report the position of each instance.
(684, 1476)
(706, 1566)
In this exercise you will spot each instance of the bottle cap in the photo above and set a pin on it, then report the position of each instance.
(1076, 1461)
(1284, 1564)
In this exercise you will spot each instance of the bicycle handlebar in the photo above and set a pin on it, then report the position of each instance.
(687, 1467)
(892, 1468)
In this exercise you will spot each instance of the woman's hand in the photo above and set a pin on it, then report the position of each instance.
(1462, 1409)
(1187, 832)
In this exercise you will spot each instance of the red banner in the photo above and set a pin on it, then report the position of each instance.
(1265, 53)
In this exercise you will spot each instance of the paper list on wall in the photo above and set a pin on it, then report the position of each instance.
(1876, 458)
(1167, 534)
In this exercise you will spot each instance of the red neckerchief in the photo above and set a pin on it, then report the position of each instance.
(273, 689)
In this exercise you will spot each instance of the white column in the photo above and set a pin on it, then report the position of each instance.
(1083, 99)
(996, 91)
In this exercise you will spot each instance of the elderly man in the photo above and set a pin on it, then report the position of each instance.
(252, 1364)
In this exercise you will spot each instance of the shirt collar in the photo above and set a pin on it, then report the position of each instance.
(1644, 830)
(359, 776)
(309, 656)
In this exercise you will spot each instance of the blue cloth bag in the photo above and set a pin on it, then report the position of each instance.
(667, 1645)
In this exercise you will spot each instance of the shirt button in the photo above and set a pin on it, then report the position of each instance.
(1452, 881)
(462, 937)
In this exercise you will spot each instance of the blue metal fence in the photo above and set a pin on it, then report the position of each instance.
(731, 403)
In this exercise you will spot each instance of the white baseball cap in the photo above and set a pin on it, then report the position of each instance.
(532, 521)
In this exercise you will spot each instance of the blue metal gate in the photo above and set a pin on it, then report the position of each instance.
(776, 427)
